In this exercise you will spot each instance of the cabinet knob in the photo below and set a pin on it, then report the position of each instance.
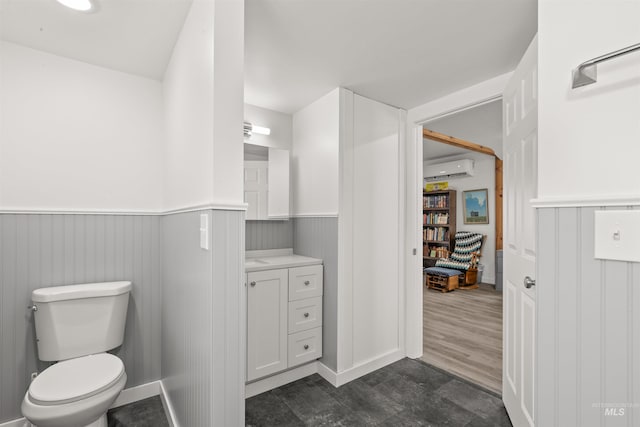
(306, 346)
(253, 283)
(307, 283)
(306, 315)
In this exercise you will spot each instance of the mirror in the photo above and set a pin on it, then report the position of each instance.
(266, 182)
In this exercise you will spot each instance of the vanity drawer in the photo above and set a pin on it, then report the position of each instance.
(305, 282)
(305, 314)
(305, 346)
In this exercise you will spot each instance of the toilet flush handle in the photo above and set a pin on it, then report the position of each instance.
(33, 307)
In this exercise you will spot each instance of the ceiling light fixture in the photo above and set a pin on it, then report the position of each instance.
(250, 129)
(80, 5)
(261, 130)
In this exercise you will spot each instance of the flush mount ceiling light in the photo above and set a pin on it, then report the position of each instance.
(80, 5)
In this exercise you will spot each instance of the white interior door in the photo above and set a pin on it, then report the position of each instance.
(256, 188)
(520, 111)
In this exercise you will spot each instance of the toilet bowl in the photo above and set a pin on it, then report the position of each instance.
(75, 326)
(76, 392)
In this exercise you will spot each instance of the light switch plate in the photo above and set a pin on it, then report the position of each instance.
(617, 235)
(204, 231)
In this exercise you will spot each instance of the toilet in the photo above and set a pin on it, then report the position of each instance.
(75, 326)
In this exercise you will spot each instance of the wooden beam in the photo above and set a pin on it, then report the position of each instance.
(457, 142)
(461, 143)
(499, 199)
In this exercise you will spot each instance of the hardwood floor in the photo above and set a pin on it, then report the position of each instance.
(463, 334)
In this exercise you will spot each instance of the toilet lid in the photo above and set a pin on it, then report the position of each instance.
(75, 379)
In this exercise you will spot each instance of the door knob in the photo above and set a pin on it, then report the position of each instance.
(529, 282)
(253, 283)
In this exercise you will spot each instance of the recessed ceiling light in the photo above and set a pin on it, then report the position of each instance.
(81, 5)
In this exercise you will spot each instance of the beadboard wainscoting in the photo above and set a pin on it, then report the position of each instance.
(203, 318)
(270, 234)
(318, 237)
(51, 250)
(589, 330)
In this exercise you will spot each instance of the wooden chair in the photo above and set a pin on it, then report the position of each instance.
(464, 258)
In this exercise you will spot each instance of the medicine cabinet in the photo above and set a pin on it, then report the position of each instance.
(266, 182)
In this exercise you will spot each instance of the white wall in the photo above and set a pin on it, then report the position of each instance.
(375, 229)
(314, 167)
(588, 136)
(484, 177)
(370, 287)
(204, 151)
(281, 126)
(469, 97)
(76, 136)
(228, 149)
(587, 321)
(204, 156)
(188, 100)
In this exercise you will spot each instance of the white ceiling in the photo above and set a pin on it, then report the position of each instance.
(133, 36)
(482, 125)
(401, 52)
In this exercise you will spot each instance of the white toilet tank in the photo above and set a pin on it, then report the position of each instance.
(78, 320)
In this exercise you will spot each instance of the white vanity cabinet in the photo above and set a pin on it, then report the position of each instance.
(284, 319)
(267, 305)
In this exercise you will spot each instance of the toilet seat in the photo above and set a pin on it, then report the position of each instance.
(76, 379)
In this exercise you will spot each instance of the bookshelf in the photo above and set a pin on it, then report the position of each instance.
(438, 225)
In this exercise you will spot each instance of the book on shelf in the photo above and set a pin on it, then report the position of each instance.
(438, 252)
(435, 218)
(435, 201)
(440, 234)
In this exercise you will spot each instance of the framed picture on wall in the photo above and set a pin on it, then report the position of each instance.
(475, 205)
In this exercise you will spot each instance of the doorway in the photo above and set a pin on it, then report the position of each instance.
(462, 328)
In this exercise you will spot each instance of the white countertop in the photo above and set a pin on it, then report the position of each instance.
(276, 258)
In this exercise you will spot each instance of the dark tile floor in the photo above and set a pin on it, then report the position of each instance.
(406, 393)
(144, 413)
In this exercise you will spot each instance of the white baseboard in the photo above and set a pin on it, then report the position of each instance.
(280, 379)
(20, 422)
(168, 406)
(126, 397)
(139, 392)
(340, 378)
(328, 374)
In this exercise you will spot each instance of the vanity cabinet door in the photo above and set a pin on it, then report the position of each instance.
(267, 300)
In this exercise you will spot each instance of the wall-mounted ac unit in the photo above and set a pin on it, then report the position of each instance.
(448, 170)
